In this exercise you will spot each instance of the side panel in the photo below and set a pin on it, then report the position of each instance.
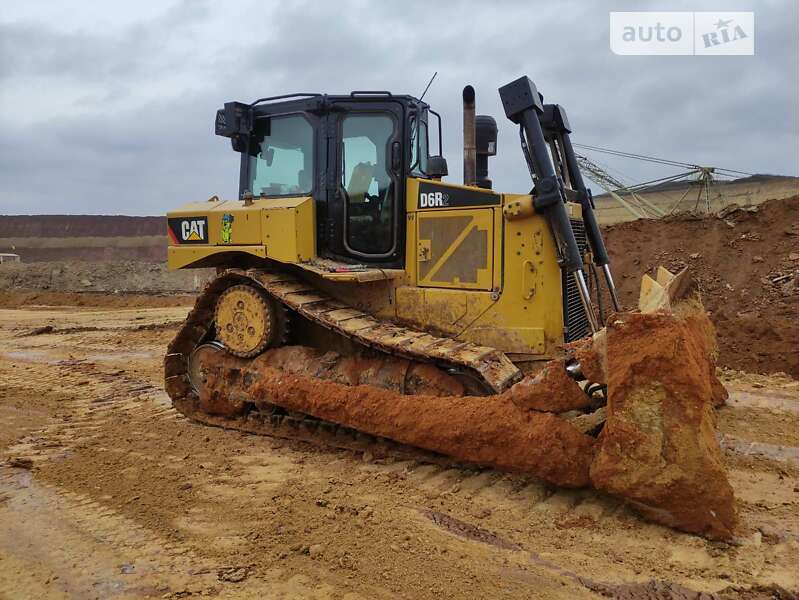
(455, 248)
(520, 313)
(531, 301)
(282, 229)
(290, 231)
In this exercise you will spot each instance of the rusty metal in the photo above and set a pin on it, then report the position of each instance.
(469, 138)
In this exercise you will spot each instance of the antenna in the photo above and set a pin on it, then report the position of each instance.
(429, 83)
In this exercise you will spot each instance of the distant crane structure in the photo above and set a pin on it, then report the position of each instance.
(700, 178)
(635, 204)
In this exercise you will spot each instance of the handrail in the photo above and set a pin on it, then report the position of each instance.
(283, 97)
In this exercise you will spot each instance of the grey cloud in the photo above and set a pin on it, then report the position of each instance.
(32, 49)
(139, 138)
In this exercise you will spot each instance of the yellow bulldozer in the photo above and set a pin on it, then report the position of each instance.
(345, 227)
(359, 298)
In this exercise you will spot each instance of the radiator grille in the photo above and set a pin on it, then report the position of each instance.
(575, 321)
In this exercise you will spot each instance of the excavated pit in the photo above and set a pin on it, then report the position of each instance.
(657, 449)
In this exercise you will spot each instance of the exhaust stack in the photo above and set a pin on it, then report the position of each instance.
(469, 138)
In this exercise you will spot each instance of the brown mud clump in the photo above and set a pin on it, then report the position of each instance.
(484, 430)
(658, 449)
(550, 390)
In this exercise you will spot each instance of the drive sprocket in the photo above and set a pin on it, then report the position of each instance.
(246, 320)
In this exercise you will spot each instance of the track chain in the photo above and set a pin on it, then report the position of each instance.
(487, 364)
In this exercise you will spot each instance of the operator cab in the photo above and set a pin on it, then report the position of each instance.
(352, 154)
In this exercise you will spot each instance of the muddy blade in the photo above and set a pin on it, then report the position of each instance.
(279, 425)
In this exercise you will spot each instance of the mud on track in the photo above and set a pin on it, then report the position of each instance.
(127, 499)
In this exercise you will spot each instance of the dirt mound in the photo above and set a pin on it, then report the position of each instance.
(144, 253)
(15, 226)
(746, 265)
(47, 238)
(113, 277)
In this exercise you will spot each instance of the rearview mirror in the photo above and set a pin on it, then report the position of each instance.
(437, 167)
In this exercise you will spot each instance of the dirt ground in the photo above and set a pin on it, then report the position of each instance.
(106, 492)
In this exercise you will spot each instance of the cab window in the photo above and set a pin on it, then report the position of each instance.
(281, 162)
(367, 182)
(419, 149)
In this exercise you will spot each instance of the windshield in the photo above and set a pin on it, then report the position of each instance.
(282, 164)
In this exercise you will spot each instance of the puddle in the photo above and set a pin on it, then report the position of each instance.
(119, 356)
(37, 356)
(768, 400)
(772, 451)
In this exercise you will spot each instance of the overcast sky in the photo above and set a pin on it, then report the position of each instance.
(108, 107)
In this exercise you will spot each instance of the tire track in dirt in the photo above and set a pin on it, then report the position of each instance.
(253, 498)
(89, 551)
(66, 544)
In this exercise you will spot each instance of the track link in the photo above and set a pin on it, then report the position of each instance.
(488, 365)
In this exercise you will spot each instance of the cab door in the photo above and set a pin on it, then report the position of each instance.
(366, 183)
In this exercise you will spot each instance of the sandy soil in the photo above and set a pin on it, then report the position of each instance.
(124, 498)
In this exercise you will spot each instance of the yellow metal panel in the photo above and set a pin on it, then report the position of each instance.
(511, 340)
(234, 228)
(245, 225)
(289, 230)
(285, 227)
(411, 250)
(440, 309)
(455, 248)
(521, 313)
(531, 295)
(411, 194)
(470, 316)
(499, 244)
(179, 257)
